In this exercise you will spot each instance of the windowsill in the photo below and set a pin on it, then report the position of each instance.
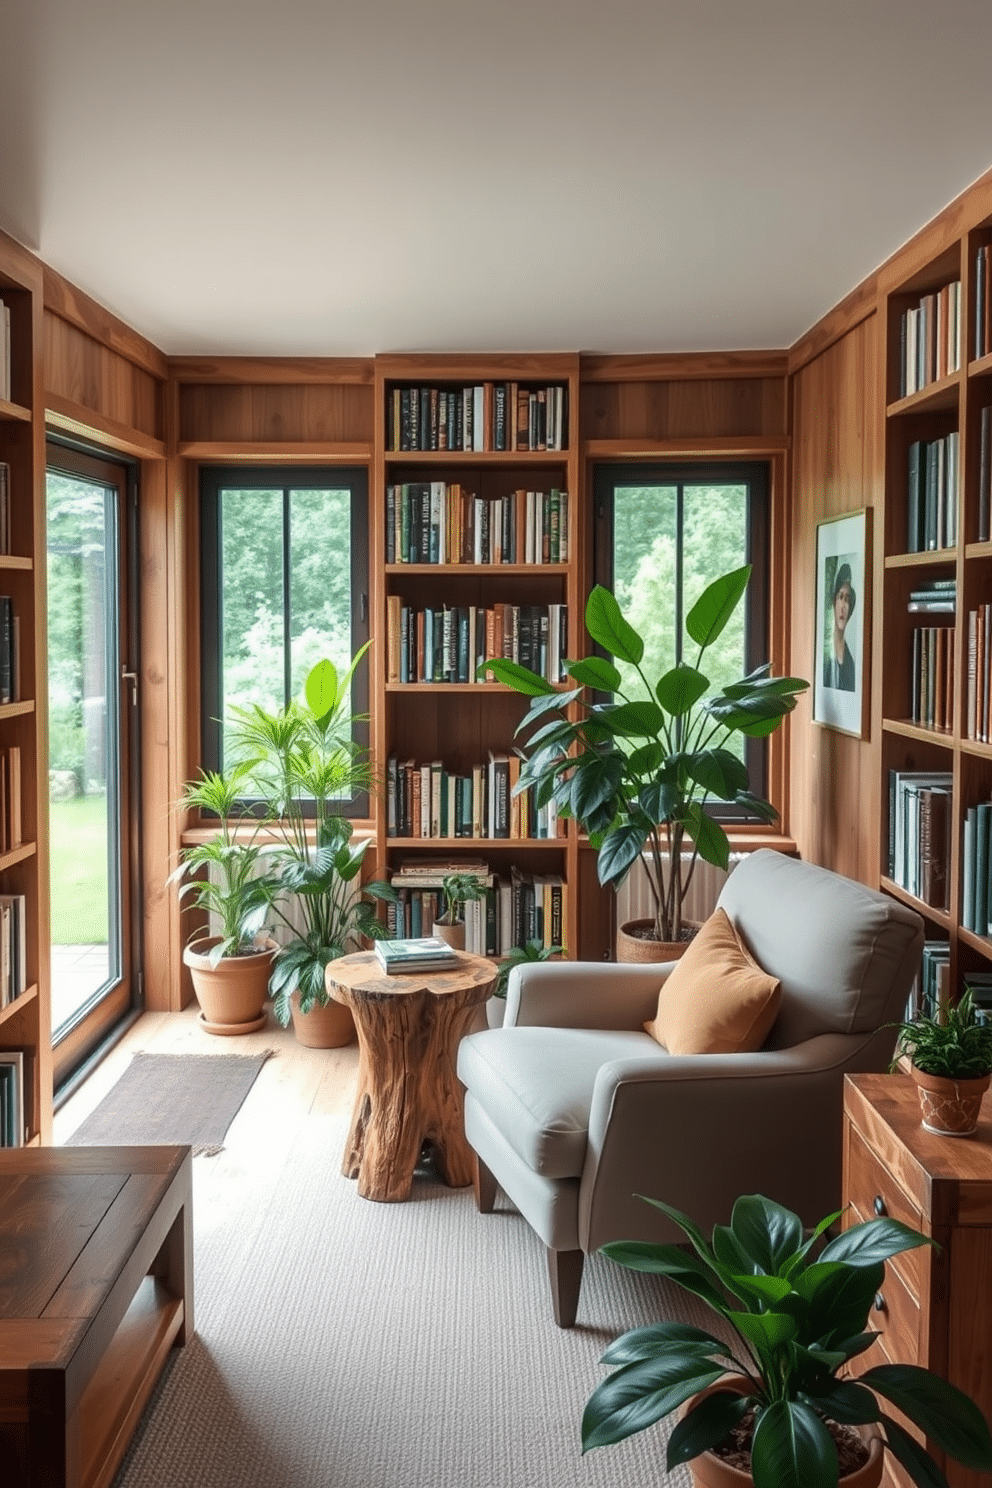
(362, 827)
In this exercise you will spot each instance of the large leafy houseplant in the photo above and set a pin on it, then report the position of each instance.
(638, 771)
(300, 762)
(797, 1313)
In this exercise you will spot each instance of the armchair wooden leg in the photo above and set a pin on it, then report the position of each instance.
(484, 1184)
(565, 1272)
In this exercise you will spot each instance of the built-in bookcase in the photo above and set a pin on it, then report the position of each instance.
(476, 512)
(937, 624)
(25, 1016)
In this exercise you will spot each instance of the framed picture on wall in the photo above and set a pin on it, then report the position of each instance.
(842, 624)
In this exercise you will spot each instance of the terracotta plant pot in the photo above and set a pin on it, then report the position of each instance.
(950, 1108)
(231, 994)
(710, 1471)
(330, 1026)
(632, 947)
(452, 935)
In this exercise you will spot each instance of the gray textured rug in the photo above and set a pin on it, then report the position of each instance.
(347, 1344)
(165, 1098)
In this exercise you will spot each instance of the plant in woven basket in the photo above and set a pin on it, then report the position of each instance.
(797, 1310)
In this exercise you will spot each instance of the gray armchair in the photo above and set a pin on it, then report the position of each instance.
(574, 1110)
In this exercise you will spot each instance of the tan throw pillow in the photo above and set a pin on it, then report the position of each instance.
(717, 1000)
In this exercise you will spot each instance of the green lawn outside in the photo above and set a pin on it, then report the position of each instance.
(79, 871)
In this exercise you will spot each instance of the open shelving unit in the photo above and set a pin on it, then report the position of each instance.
(25, 1022)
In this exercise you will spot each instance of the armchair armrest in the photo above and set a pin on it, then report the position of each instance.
(700, 1131)
(583, 994)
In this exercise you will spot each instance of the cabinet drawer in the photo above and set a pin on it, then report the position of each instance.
(872, 1191)
(896, 1316)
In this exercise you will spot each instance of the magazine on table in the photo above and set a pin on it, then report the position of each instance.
(424, 953)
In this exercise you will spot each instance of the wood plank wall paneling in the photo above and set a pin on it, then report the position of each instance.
(684, 408)
(81, 371)
(837, 468)
(275, 412)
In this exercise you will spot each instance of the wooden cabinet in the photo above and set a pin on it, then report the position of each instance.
(25, 1018)
(935, 1305)
(451, 455)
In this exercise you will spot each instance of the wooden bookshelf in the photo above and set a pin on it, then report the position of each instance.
(944, 407)
(25, 1022)
(460, 722)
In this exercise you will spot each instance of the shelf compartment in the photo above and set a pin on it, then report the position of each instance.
(478, 570)
(936, 397)
(17, 1007)
(935, 916)
(932, 558)
(17, 855)
(11, 561)
(13, 412)
(906, 729)
(467, 844)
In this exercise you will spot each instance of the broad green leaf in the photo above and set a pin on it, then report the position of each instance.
(691, 1272)
(637, 720)
(707, 1424)
(719, 772)
(941, 1410)
(753, 686)
(547, 702)
(845, 1401)
(714, 607)
(914, 1458)
(646, 759)
(514, 675)
(873, 1241)
(767, 1232)
(756, 806)
(765, 1330)
(596, 781)
(769, 1290)
(839, 1299)
(609, 629)
(595, 672)
(322, 689)
(660, 800)
(639, 1394)
(680, 688)
(792, 1449)
(708, 835)
(688, 1227)
(619, 853)
(656, 1338)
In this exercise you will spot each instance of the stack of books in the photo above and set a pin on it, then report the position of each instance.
(428, 953)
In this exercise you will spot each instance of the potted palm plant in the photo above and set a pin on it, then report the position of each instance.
(457, 890)
(639, 770)
(300, 763)
(950, 1053)
(775, 1397)
(224, 876)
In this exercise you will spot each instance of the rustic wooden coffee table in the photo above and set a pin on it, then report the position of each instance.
(96, 1286)
(409, 1027)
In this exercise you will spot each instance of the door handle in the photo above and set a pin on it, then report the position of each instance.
(131, 677)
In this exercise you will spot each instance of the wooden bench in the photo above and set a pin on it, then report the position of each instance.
(96, 1286)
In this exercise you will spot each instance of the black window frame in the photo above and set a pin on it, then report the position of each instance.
(757, 476)
(214, 479)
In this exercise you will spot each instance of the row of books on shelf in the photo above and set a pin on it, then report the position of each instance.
(10, 798)
(931, 988)
(983, 301)
(478, 417)
(976, 869)
(5, 388)
(931, 493)
(438, 522)
(10, 647)
(428, 800)
(985, 474)
(13, 1063)
(978, 720)
(518, 907)
(13, 947)
(932, 680)
(930, 339)
(920, 833)
(451, 643)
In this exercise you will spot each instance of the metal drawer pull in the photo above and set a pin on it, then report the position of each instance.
(880, 1302)
(879, 1205)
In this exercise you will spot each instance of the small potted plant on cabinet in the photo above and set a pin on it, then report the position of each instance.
(638, 771)
(225, 876)
(457, 890)
(950, 1053)
(773, 1398)
(301, 762)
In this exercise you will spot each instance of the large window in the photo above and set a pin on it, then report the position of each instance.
(284, 564)
(663, 532)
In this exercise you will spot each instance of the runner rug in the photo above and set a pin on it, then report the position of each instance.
(172, 1098)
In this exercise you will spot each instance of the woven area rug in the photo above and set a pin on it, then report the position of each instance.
(342, 1343)
(172, 1098)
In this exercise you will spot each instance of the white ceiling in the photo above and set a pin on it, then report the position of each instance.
(345, 177)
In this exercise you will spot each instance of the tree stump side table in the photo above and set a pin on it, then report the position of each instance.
(409, 1027)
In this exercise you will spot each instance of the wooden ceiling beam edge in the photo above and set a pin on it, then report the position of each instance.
(273, 371)
(73, 305)
(682, 366)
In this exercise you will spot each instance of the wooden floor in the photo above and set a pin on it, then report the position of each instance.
(294, 1086)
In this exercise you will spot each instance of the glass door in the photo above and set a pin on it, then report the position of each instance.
(92, 697)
